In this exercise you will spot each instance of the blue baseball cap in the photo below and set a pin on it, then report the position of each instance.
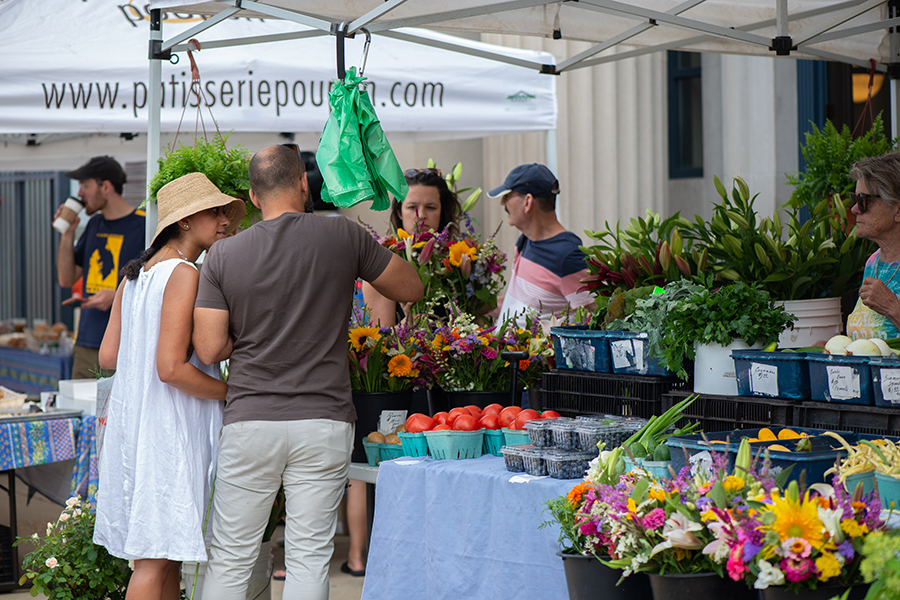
(534, 179)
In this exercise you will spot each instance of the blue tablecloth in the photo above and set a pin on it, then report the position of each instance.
(32, 373)
(460, 530)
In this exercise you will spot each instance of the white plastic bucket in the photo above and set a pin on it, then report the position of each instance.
(259, 588)
(714, 371)
(818, 320)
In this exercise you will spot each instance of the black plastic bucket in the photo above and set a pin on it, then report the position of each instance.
(589, 579)
(696, 586)
(479, 399)
(369, 406)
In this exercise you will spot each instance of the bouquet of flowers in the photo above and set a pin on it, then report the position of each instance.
(464, 357)
(66, 564)
(798, 540)
(466, 273)
(537, 343)
(384, 359)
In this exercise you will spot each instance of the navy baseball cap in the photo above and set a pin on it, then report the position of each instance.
(104, 168)
(534, 179)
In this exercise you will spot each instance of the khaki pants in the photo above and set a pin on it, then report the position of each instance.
(312, 457)
(86, 363)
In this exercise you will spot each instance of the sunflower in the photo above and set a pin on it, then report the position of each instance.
(359, 336)
(457, 251)
(401, 366)
(795, 518)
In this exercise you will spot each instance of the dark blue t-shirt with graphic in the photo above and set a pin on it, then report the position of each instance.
(102, 250)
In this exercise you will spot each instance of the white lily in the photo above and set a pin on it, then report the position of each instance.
(769, 574)
(831, 519)
(679, 533)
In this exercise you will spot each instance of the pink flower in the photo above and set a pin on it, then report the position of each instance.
(798, 570)
(795, 548)
(589, 528)
(654, 519)
(488, 352)
(427, 251)
(736, 566)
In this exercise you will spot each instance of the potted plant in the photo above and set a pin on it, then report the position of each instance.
(226, 167)
(710, 323)
(66, 564)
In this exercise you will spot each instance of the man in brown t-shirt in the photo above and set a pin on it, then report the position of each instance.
(276, 299)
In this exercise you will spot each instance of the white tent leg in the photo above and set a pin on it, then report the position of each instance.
(552, 157)
(895, 109)
(153, 121)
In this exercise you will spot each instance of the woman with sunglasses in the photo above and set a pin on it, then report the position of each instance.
(876, 204)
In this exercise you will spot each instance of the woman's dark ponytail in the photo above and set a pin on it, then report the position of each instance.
(131, 270)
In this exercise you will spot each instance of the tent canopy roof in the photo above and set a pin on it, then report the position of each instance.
(852, 31)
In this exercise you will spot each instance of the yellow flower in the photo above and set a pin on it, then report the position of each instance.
(632, 508)
(457, 251)
(400, 366)
(360, 335)
(656, 494)
(709, 516)
(402, 234)
(418, 245)
(733, 483)
(854, 529)
(797, 518)
(484, 341)
(828, 566)
(438, 341)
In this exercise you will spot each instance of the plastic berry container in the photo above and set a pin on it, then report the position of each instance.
(533, 460)
(512, 458)
(568, 465)
(539, 432)
(563, 433)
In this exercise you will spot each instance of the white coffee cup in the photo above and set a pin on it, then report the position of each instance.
(67, 215)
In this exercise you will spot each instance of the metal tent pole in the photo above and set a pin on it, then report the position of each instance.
(154, 85)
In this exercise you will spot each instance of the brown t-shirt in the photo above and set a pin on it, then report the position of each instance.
(288, 286)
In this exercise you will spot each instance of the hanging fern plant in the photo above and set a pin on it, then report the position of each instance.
(225, 167)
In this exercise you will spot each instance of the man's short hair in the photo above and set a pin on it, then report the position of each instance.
(273, 169)
(546, 204)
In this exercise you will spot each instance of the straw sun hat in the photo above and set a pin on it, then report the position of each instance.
(190, 194)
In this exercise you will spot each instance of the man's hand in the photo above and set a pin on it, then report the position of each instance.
(102, 300)
(70, 232)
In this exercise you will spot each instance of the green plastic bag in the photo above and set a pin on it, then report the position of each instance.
(354, 156)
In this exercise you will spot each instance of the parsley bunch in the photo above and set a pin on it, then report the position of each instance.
(720, 316)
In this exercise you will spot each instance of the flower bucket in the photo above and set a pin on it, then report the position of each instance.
(586, 576)
(694, 586)
(714, 371)
(817, 319)
(370, 406)
(259, 588)
(823, 592)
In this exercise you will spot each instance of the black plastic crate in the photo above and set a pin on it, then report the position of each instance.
(847, 417)
(726, 413)
(573, 393)
(7, 567)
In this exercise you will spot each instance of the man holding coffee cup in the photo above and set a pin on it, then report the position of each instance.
(111, 239)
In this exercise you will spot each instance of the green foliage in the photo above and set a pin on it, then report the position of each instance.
(563, 515)
(66, 564)
(881, 565)
(829, 155)
(226, 167)
(720, 316)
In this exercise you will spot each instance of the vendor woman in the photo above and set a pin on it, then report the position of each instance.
(876, 205)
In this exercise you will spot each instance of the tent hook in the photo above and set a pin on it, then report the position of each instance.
(362, 64)
(340, 34)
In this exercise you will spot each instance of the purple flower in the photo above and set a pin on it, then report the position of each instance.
(846, 550)
(750, 551)
(489, 353)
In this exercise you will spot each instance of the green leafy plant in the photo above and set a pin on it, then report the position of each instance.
(226, 167)
(719, 316)
(829, 155)
(649, 251)
(66, 564)
(881, 565)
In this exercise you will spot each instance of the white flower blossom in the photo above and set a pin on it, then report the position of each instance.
(63, 517)
(831, 519)
(769, 574)
(35, 536)
(77, 512)
(73, 501)
(51, 562)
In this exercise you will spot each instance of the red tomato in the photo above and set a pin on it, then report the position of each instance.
(549, 414)
(455, 412)
(441, 427)
(440, 417)
(465, 423)
(419, 423)
(508, 415)
(492, 409)
(525, 416)
(410, 418)
(475, 411)
(489, 421)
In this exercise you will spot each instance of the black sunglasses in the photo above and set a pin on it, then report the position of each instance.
(412, 173)
(862, 201)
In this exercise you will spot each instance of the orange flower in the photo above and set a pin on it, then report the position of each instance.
(400, 366)
(458, 250)
(576, 494)
(524, 364)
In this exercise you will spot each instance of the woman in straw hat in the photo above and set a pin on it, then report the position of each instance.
(158, 457)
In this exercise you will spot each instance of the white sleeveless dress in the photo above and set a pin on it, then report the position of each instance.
(158, 459)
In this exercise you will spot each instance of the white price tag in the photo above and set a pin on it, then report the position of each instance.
(390, 420)
(622, 353)
(639, 355)
(763, 379)
(890, 385)
(577, 354)
(843, 382)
